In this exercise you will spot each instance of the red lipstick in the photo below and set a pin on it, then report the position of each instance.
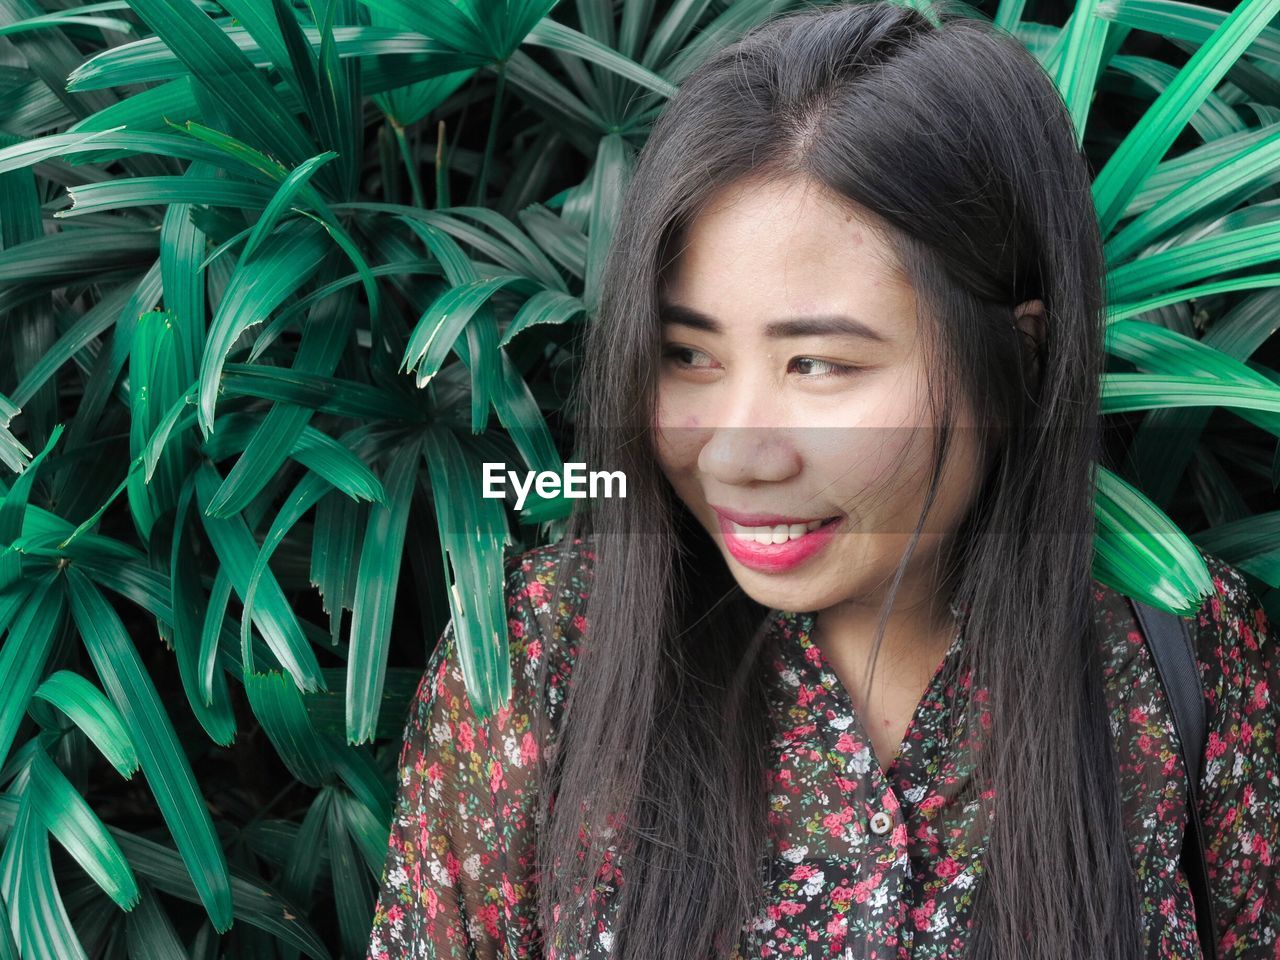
(773, 557)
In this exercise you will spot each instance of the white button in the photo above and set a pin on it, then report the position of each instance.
(881, 823)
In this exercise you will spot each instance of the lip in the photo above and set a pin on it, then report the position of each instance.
(774, 557)
(760, 519)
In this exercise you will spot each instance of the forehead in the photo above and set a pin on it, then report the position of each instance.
(768, 249)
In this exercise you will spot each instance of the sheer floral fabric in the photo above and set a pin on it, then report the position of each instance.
(870, 863)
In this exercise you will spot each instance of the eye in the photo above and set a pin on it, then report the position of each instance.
(832, 370)
(835, 369)
(673, 353)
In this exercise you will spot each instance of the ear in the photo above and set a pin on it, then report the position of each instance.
(1029, 321)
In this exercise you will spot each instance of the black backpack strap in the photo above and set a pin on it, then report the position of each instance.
(1174, 654)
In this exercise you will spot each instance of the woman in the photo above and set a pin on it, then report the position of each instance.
(857, 278)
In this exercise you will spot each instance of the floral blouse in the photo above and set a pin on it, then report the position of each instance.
(870, 863)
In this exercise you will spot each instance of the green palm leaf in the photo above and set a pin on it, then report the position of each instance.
(66, 816)
(1155, 131)
(161, 757)
(89, 709)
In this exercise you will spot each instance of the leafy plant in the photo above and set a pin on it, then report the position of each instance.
(255, 345)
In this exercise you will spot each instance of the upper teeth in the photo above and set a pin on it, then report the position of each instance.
(780, 533)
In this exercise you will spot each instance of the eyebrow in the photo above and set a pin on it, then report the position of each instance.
(814, 326)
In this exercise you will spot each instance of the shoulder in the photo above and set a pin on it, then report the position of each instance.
(1240, 781)
(1228, 621)
(1231, 614)
(547, 589)
(1236, 648)
(1232, 639)
(544, 592)
(549, 584)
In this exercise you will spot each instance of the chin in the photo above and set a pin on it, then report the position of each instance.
(766, 589)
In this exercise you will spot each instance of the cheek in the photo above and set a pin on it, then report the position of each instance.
(677, 440)
(872, 456)
(676, 404)
(877, 475)
(964, 476)
(676, 423)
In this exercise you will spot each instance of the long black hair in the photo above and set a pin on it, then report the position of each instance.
(946, 134)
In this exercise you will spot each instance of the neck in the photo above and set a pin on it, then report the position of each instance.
(917, 632)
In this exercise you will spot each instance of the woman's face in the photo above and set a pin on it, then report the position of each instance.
(793, 384)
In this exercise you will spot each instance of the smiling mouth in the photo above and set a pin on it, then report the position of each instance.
(777, 533)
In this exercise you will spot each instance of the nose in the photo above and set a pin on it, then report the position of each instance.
(738, 455)
(749, 438)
